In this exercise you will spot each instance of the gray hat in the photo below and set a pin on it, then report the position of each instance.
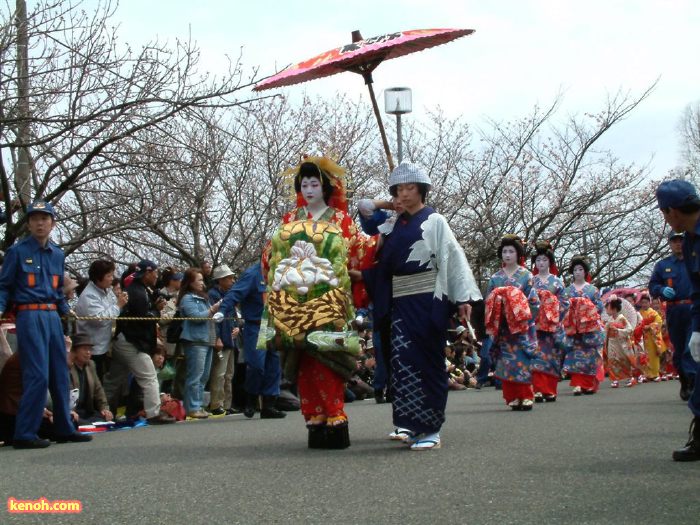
(408, 173)
(220, 272)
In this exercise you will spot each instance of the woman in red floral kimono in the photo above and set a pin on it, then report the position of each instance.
(511, 308)
(584, 329)
(546, 365)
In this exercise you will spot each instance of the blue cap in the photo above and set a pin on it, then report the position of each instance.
(179, 276)
(144, 266)
(41, 207)
(676, 194)
(675, 235)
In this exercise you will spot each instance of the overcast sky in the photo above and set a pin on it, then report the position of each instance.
(522, 53)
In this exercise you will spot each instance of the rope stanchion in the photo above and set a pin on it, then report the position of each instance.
(157, 319)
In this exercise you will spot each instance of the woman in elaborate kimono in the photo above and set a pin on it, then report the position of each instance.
(546, 365)
(652, 333)
(583, 327)
(309, 305)
(618, 353)
(511, 309)
(421, 279)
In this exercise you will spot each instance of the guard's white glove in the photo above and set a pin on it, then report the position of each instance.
(366, 207)
(694, 346)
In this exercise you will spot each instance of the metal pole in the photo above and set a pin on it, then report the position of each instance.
(399, 138)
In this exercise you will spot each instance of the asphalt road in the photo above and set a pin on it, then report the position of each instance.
(589, 459)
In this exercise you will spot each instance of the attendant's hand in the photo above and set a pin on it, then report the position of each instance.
(235, 332)
(668, 292)
(160, 304)
(107, 415)
(355, 275)
(366, 207)
(465, 311)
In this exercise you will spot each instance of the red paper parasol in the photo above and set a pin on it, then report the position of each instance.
(362, 56)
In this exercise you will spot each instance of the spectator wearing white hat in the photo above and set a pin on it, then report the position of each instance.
(223, 361)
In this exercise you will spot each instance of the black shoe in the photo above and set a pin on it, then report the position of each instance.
(685, 388)
(691, 451)
(251, 403)
(268, 409)
(161, 419)
(31, 443)
(218, 412)
(337, 437)
(75, 437)
(317, 436)
(478, 385)
(232, 411)
(379, 396)
(272, 413)
(550, 399)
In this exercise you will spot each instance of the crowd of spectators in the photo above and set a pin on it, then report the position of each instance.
(148, 345)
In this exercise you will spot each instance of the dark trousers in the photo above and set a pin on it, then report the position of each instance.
(42, 355)
(101, 365)
(263, 372)
(238, 382)
(680, 328)
(485, 364)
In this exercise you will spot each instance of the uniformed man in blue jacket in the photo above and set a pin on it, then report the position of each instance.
(32, 281)
(680, 204)
(263, 372)
(670, 282)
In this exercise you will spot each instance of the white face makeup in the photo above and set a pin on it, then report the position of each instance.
(312, 191)
(542, 264)
(509, 255)
(579, 273)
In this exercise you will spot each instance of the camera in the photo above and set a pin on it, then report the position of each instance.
(159, 294)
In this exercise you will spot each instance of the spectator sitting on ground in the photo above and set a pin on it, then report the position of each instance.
(10, 394)
(456, 377)
(91, 405)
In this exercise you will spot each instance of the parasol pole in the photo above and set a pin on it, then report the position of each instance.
(378, 115)
(366, 72)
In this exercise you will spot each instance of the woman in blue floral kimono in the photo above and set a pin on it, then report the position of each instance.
(546, 365)
(421, 279)
(584, 329)
(511, 308)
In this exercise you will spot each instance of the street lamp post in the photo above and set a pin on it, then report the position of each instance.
(397, 101)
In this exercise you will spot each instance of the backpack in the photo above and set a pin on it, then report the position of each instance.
(174, 329)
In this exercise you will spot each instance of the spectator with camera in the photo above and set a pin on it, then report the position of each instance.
(136, 340)
(98, 300)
